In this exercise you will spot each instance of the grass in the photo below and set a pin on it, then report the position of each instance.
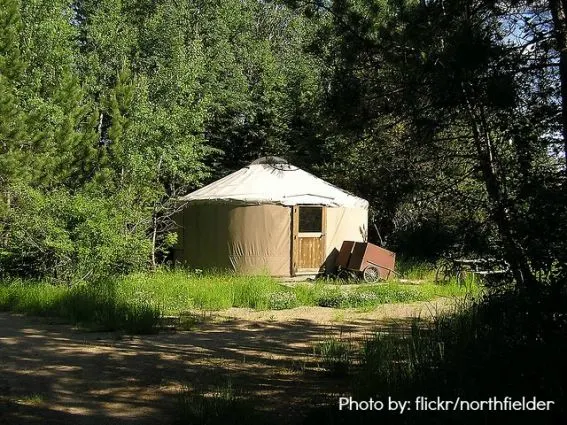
(372, 295)
(415, 270)
(135, 303)
(178, 291)
(336, 355)
(220, 406)
(32, 400)
(99, 306)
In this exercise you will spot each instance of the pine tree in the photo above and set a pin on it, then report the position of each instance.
(13, 131)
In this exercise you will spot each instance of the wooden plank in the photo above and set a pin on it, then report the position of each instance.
(294, 240)
(323, 240)
(310, 247)
(310, 250)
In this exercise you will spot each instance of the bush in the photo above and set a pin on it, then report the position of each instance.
(66, 237)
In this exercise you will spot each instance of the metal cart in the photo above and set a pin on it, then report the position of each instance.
(365, 260)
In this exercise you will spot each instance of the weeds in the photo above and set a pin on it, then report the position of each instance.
(337, 356)
(282, 300)
(218, 407)
(372, 295)
(32, 400)
(414, 269)
(181, 291)
(506, 346)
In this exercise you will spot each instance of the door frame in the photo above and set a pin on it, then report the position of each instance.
(295, 235)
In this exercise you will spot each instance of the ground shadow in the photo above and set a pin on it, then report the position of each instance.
(54, 374)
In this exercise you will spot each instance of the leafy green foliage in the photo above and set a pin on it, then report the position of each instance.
(442, 114)
(71, 237)
(122, 103)
(437, 112)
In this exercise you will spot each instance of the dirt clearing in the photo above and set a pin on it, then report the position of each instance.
(52, 373)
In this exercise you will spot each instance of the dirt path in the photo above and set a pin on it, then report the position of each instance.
(54, 374)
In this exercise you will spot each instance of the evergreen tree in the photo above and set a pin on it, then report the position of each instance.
(13, 125)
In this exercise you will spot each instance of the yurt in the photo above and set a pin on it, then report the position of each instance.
(268, 218)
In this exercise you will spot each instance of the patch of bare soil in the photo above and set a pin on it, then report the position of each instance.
(54, 374)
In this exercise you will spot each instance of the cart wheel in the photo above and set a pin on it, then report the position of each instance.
(371, 274)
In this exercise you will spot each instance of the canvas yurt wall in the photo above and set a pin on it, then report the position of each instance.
(257, 238)
(246, 238)
(344, 224)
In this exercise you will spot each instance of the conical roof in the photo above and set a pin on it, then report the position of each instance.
(275, 183)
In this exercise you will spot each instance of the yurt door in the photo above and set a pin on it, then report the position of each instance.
(308, 239)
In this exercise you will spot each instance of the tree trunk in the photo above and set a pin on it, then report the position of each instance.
(4, 237)
(559, 14)
(514, 253)
(154, 237)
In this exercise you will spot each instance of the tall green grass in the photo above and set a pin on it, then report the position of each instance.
(336, 355)
(180, 290)
(408, 268)
(135, 303)
(102, 305)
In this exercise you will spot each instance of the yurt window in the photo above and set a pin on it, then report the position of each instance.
(310, 219)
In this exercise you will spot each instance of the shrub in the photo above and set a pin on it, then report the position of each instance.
(65, 237)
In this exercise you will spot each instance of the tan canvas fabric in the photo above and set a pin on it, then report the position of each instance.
(344, 224)
(205, 236)
(245, 238)
(275, 184)
(260, 238)
(252, 239)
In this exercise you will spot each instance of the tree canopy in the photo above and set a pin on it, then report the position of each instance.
(449, 116)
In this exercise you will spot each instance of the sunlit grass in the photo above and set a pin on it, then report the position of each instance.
(31, 400)
(177, 291)
(415, 270)
(102, 306)
(135, 303)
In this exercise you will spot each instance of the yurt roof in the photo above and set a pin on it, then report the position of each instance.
(267, 181)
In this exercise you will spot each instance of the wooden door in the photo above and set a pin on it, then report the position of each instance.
(308, 239)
